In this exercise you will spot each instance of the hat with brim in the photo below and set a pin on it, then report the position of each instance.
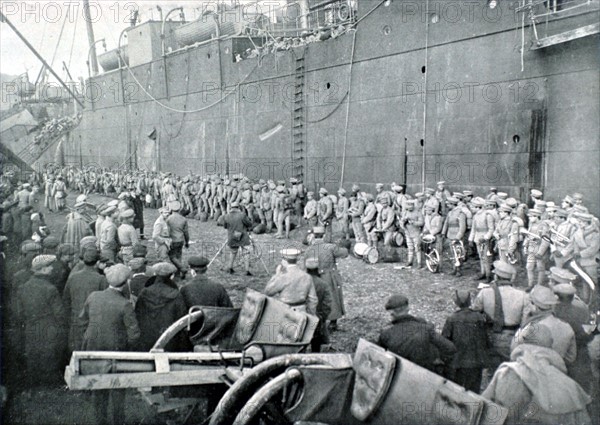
(458, 195)
(564, 289)
(312, 263)
(396, 301)
(504, 270)
(136, 263)
(536, 193)
(198, 262)
(127, 214)
(560, 275)
(290, 253)
(108, 211)
(117, 275)
(429, 191)
(452, 200)
(323, 191)
(42, 261)
(478, 202)
(512, 202)
(543, 297)
(534, 213)
(505, 208)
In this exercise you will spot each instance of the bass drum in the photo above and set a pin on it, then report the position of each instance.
(371, 255)
(360, 249)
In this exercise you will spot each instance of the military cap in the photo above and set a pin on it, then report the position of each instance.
(90, 254)
(369, 197)
(505, 208)
(511, 202)
(280, 189)
(227, 182)
(174, 205)
(235, 204)
(50, 242)
(462, 297)
(262, 182)
(113, 203)
(560, 275)
(293, 180)
(429, 190)
(468, 192)
(136, 263)
(246, 186)
(550, 204)
(256, 187)
(441, 183)
(536, 193)
(235, 177)
(452, 200)
(502, 195)
(410, 202)
(66, 249)
(355, 188)
(583, 216)
(341, 191)
(543, 297)
(117, 275)
(540, 203)
(318, 230)
(164, 209)
(561, 213)
(122, 195)
(30, 246)
(186, 179)
(398, 188)
(379, 185)
(26, 185)
(396, 301)
(100, 208)
(311, 263)
(281, 182)
(458, 195)
(198, 262)
(88, 240)
(569, 200)
(109, 210)
(164, 269)
(534, 212)
(539, 335)
(140, 251)
(127, 214)
(272, 185)
(310, 194)
(564, 289)
(290, 253)
(80, 201)
(477, 202)
(504, 270)
(42, 261)
(323, 191)
(577, 196)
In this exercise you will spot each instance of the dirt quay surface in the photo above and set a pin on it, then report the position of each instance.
(366, 289)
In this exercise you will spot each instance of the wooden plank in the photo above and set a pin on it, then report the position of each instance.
(161, 363)
(120, 355)
(206, 375)
(567, 36)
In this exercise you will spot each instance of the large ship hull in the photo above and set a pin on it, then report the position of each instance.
(420, 92)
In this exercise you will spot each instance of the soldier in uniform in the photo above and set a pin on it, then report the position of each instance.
(385, 223)
(586, 244)
(535, 249)
(369, 217)
(201, 290)
(49, 194)
(454, 228)
(430, 200)
(321, 335)
(291, 285)
(541, 314)
(267, 205)
(412, 221)
(161, 235)
(565, 228)
(325, 212)
(357, 207)
(442, 194)
(237, 225)
(481, 233)
(341, 213)
(128, 237)
(506, 234)
(108, 234)
(311, 210)
(180, 237)
(506, 308)
(327, 255)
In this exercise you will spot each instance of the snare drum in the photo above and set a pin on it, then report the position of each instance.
(397, 239)
(360, 249)
(371, 256)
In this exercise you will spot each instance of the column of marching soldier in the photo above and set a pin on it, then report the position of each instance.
(567, 234)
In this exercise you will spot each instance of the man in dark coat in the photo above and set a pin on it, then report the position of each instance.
(321, 335)
(41, 317)
(110, 325)
(158, 306)
(237, 224)
(77, 290)
(138, 208)
(466, 329)
(60, 271)
(202, 291)
(180, 236)
(413, 338)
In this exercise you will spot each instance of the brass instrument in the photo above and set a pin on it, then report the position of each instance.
(562, 240)
(458, 252)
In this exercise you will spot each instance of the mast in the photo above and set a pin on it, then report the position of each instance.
(90, 32)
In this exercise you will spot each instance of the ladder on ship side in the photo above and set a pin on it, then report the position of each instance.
(298, 117)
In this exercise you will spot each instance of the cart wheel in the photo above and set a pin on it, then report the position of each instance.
(433, 261)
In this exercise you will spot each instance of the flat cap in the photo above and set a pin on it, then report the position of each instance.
(127, 214)
(458, 195)
(536, 193)
(50, 242)
(198, 262)
(452, 200)
(441, 183)
(280, 189)
(540, 203)
(564, 289)
(272, 185)
(311, 263)
(117, 275)
(468, 192)
(539, 335)
(256, 187)
(534, 212)
(164, 269)
(355, 188)
(560, 275)
(478, 202)
(42, 261)
(323, 191)
(396, 301)
(140, 251)
(502, 195)
(319, 230)
(429, 190)
(462, 297)
(419, 195)
(341, 191)
(491, 202)
(511, 202)
(87, 240)
(90, 254)
(568, 199)
(290, 253)
(504, 270)
(109, 210)
(543, 297)
(293, 180)
(80, 201)
(30, 246)
(505, 208)
(136, 263)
